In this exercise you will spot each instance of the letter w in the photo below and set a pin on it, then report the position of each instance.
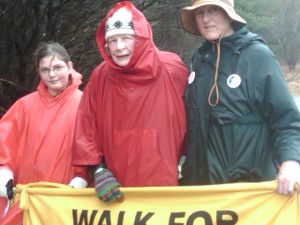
(83, 219)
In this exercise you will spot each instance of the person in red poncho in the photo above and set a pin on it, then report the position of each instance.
(36, 133)
(132, 112)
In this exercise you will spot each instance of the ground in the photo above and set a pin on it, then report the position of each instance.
(292, 78)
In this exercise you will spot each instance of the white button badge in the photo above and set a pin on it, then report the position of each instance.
(191, 77)
(234, 80)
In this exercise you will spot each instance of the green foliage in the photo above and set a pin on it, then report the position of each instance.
(255, 13)
(277, 22)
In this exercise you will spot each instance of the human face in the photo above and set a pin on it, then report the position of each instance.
(121, 48)
(212, 22)
(54, 73)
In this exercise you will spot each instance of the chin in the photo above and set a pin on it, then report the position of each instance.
(122, 63)
(211, 38)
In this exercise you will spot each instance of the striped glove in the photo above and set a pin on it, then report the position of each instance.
(106, 186)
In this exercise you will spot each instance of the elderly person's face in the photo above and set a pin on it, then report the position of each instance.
(213, 22)
(121, 48)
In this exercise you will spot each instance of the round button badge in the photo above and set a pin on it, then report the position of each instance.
(234, 80)
(192, 77)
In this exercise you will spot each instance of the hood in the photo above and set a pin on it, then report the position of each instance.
(76, 80)
(144, 64)
(238, 40)
(242, 38)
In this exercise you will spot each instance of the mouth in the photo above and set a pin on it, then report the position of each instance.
(209, 27)
(53, 81)
(123, 56)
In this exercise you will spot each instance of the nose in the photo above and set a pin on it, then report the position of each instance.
(51, 73)
(205, 16)
(120, 44)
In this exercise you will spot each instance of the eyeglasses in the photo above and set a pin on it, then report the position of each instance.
(56, 69)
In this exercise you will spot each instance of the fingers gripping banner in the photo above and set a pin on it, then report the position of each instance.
(227, 204)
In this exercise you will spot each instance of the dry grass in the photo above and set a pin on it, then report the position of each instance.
(292, 78)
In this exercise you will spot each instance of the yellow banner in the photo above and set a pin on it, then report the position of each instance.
(228, 204)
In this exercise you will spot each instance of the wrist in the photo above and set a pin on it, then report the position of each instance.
(293, 163)
(98, 170)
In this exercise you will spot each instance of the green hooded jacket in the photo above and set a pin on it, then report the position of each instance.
(256, 124)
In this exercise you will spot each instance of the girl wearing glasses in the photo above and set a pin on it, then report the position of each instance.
(36, 133)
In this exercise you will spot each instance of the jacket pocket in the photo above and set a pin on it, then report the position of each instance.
(137, 158)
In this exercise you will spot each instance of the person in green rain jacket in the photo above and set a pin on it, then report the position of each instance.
(244, 125)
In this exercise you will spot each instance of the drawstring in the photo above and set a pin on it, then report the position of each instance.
(215, 85)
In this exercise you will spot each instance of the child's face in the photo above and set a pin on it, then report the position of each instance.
(54, 73)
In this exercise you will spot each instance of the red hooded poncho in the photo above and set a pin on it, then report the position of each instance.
(134, 116)
(36, 136)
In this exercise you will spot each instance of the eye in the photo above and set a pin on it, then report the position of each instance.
(212, 9)
(44, 70)
(199, 12)
(112, 41)
(127, 38)
(58, 67)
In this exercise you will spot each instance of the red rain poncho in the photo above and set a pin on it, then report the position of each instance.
(36, 135)
(134, 116)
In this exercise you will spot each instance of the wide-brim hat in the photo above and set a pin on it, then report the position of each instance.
(187, 14)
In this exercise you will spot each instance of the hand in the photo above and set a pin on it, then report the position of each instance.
(78, 182)
(288, 176)
(179, 167)
(10, 189)
(6, 182)
(106, 186)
